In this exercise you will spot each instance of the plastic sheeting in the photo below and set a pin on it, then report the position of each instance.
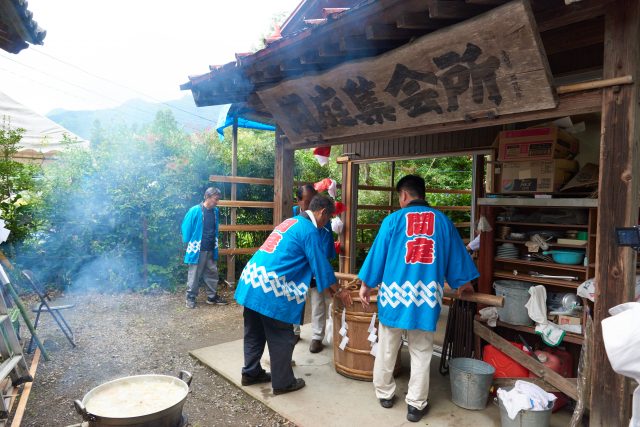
(42, 135)
(225, 120)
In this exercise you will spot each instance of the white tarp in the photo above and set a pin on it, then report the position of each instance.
(42, 134)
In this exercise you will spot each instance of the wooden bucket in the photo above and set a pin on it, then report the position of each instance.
(355, 361)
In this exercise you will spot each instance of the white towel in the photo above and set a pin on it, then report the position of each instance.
(550, 333)
(537, 304)
(525, 396)
(489, 315)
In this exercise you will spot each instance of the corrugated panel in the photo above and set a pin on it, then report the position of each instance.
(425, 145)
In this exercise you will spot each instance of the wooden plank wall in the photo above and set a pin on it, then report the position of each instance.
(465, 141)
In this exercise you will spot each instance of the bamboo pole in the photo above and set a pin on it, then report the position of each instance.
(596, 84)
(479, 298)
(27, 321)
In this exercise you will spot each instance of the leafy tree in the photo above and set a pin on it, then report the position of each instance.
(18, 196)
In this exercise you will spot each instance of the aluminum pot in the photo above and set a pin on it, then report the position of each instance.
(168, 417)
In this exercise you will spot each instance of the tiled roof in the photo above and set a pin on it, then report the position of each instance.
(18, 29)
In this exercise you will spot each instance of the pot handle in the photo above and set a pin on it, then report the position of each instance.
(185, 376)
(80, 409)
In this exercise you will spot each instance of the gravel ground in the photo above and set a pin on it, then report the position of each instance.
(131, 334)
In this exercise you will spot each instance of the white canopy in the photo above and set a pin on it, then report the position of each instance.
(42, 137)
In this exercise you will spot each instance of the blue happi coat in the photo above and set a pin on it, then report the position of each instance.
(192, 233)
(326, 237)
(415, 251)
(276, 279)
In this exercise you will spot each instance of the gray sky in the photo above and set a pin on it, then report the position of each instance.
(147, 45)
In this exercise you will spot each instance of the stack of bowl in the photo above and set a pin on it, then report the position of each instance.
(507, 250)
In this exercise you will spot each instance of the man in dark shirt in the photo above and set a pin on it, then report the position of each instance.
(200, 231)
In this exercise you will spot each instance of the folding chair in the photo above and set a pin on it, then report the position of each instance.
(44, 306)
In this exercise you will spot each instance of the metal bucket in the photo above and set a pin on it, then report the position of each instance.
(516, 295)
(471, 380)
(525, 418)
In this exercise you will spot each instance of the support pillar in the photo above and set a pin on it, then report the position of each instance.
(350, 172)
(282, 179)
(617, 204)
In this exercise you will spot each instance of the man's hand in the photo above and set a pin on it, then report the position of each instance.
(466, 288)
(365, 295)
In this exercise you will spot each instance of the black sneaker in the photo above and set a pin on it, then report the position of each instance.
(414, 414)
(217, 300)
(387, 403)
(264, 377)
(296, 385)
(191, 303)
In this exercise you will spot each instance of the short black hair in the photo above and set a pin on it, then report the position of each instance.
(412, 184)
(321, 202)
(308, 187)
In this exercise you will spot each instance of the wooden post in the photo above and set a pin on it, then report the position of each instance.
(617, 204)
(145, 251)
(350, 172)
(392, 182)
(231, 259)
(477, 190)
(283, 180)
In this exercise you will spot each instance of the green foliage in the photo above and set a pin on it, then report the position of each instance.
(18, 196)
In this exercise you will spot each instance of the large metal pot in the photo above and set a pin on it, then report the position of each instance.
(170, 416)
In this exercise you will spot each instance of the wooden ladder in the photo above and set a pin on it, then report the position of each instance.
(13, 366)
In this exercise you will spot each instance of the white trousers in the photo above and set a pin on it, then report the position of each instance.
(318, 313)
(420, 350)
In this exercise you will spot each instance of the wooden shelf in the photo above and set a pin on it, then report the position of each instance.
(542, 226)
(568, 336)
(552, 245)
(502, 274)
(542, 264)
(539, 203)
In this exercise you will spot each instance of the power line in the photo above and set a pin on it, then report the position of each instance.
(58, 89)
(150, 113)
(119, 84)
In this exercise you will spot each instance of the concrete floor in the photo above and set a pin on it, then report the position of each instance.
(329, 399)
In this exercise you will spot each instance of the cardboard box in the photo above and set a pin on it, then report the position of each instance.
(535, 176)
(541, 143)
(569, 320)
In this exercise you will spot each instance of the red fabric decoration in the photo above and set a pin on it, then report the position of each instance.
(322, 155)
(340, 207)
(336, 245)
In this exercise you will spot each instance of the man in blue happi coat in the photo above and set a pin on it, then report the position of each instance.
(272, 289)
(416, 250)
(304, 195)
(200, 233)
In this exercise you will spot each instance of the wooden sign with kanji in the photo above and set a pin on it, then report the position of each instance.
(491, 65)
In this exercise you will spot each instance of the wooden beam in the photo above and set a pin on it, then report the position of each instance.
(26, 391)
(237, 251)
(420, 21)
(362, 43)
(547, 374)
(573, 36)
(389, 32)
(241, 180)
(510, 382)
(569, 14)
(393, 208)
(246, 227)
(283, 180)
(454, 9)
(245, 204)
(619, 185)
(326, 11)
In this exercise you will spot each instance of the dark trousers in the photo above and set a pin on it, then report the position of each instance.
(260, 330)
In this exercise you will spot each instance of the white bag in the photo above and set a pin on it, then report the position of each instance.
(328, 330)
